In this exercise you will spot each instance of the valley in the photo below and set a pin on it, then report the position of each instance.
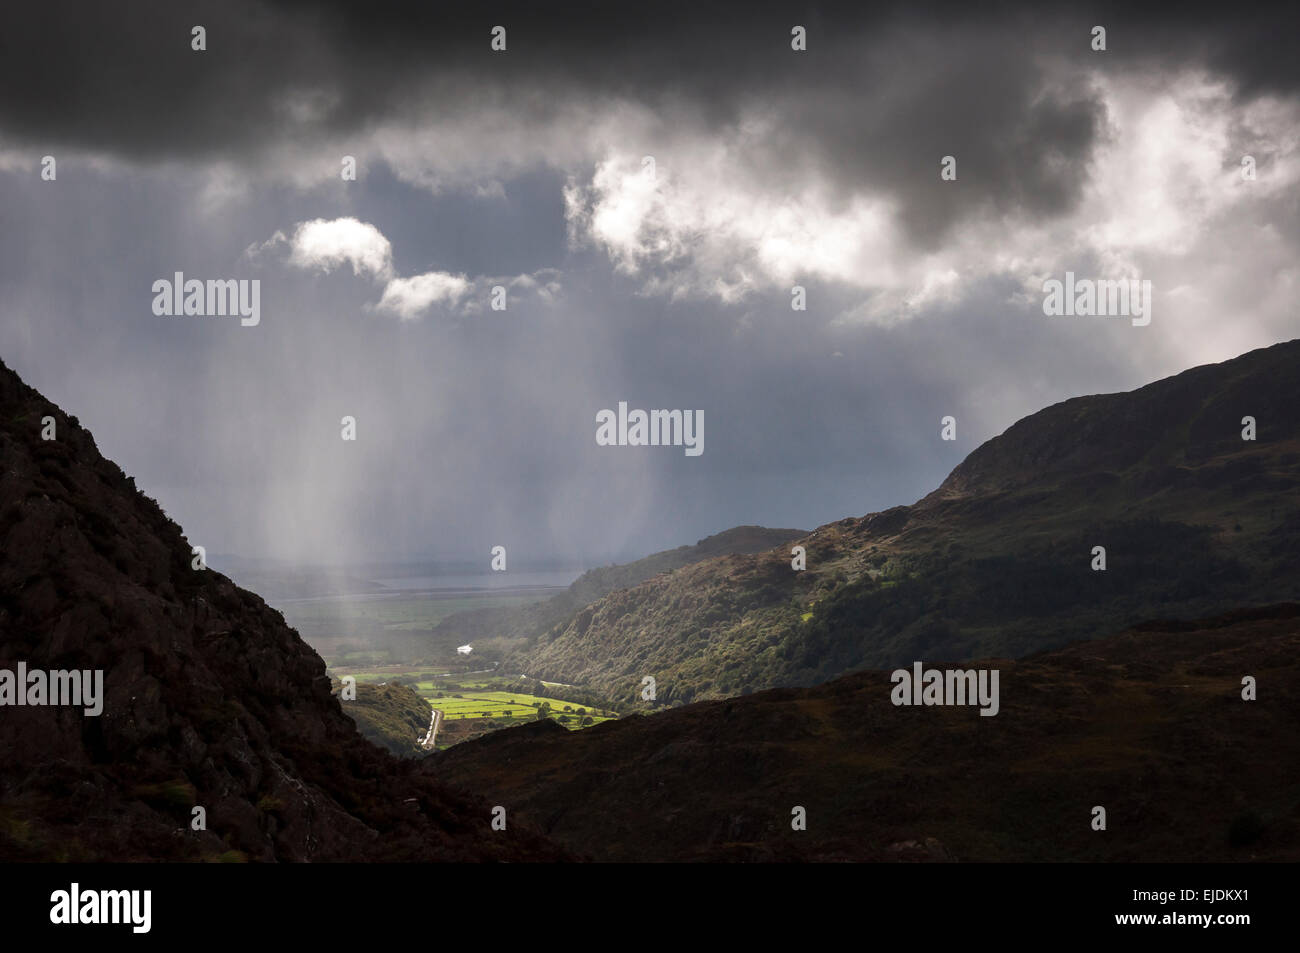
(1120, 677)
(412, 630)
(391, 637)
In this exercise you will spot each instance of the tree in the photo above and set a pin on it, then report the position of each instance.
(543, 711)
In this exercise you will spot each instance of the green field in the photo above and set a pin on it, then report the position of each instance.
(489, 701)
(394, 637)
(501, 705)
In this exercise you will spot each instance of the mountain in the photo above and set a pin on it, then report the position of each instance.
(530, 621)
(1149, 724)
(209, 699)
(738, 540)
(996, 561)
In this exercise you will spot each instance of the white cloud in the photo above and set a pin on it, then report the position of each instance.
(325, 244)
(1164, 179)
(700, 229)
(408, 297)
(716, 222)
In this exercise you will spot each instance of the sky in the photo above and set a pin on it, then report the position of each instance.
(665, 284)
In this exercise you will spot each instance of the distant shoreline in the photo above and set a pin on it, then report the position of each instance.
(432, 593)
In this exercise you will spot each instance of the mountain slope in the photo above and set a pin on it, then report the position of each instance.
(210, 700)
(739, 540)
(532, 620)
(997, 560)
(1149, 724)
(394, 717)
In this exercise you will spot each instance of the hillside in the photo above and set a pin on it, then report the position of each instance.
(996, 561)
(510, 624)
(392, 716)
(209, 699)
(740, 540)
(1149, 724)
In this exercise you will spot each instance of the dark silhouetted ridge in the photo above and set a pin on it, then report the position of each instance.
(210, 699)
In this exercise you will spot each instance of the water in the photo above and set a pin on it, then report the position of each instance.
(486, 580)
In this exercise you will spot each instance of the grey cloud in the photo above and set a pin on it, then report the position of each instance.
(882, 94)
(479, 429)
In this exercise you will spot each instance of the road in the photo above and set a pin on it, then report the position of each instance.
(435, 720)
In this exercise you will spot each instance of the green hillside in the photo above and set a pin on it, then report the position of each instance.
(392, 716)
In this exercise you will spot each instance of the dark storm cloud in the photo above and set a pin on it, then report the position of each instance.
(122, 79)
(479, 430)
(124, 73)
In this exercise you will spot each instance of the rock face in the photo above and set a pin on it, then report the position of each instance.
(210, 699)
(1149, 723)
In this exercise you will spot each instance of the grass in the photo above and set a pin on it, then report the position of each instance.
(470, 703)
(516, 706)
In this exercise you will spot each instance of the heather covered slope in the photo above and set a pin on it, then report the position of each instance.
(997, 560)
(210, 699)
(1149, 724)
